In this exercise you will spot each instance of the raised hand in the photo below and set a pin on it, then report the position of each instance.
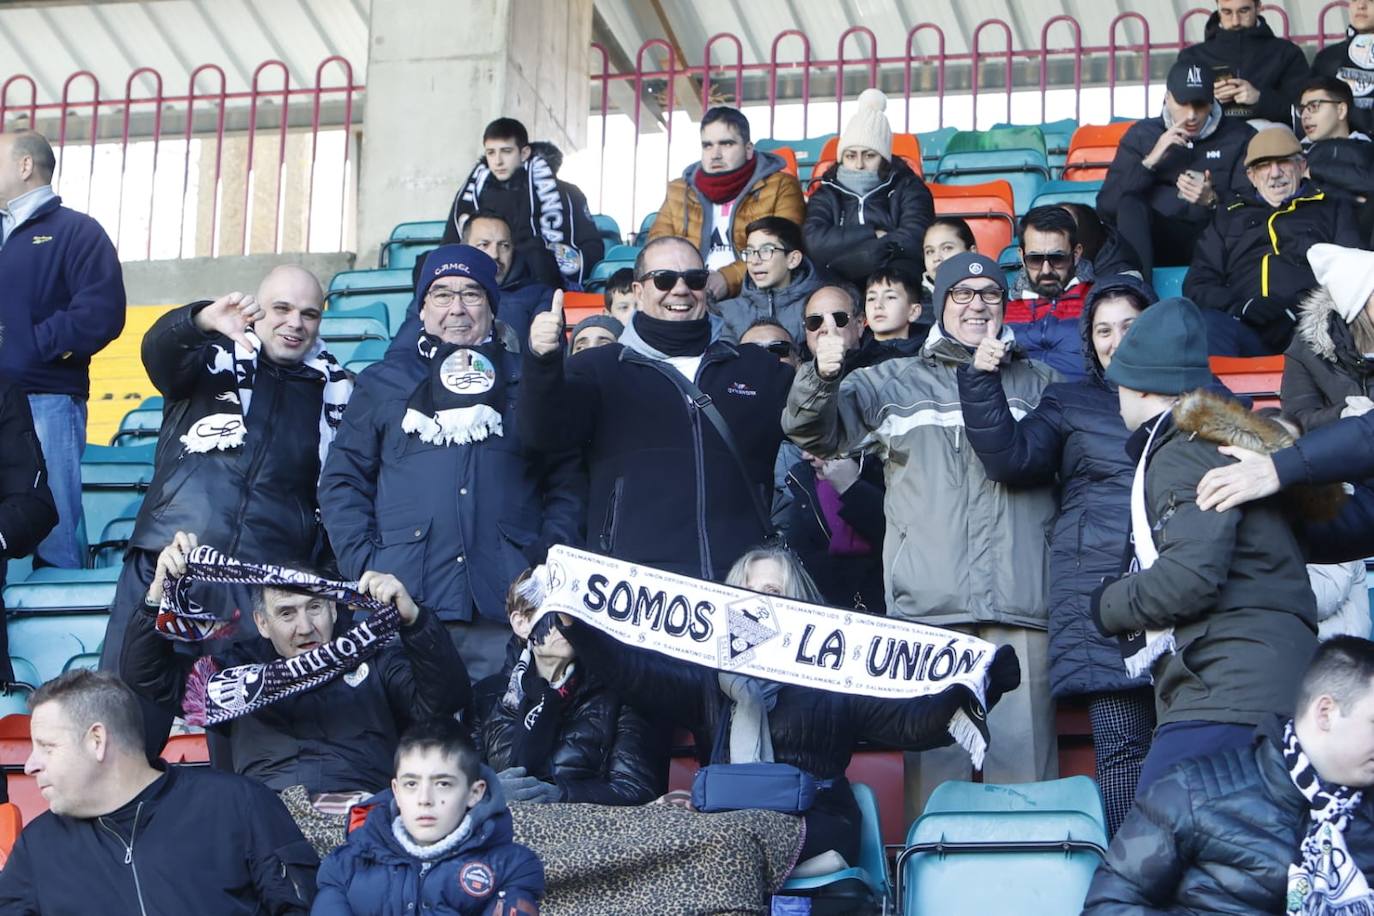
(171, 564)
(546, 330)
(231, 315)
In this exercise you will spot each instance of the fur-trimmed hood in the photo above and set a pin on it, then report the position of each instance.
(1314, 324)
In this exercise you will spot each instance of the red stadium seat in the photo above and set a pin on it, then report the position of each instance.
(11, 822)
(187, 748)
(1258, 377)
(988, 208)
(1091, 149)
(883, 772)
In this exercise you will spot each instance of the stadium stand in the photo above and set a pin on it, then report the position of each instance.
(1013, 154)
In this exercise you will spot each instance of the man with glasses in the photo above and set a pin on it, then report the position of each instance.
(1352, 62)
(1255, 72)
(1339, 160)
(1250, 270)
(1049, 294)
(667, 488)
(429, 480)
(779, 277)
(960, 550)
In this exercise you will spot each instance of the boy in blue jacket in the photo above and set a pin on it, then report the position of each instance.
(439, 842)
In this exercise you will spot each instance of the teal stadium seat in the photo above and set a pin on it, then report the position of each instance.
(344, 329)
(366, 353)
(865, 883)
(933, 143)
(405, 255)
(1168, 281)
(807, 151)
(608, 227)
(108, 549)
(55, 615)
(617, 256)
(393, 288)
(1010, 257)
(1015, 154)
(1057, 137)
(140, 425)
(112, 479)
(421, 230)
(644, 226)
(1068, 192)
(1004, 850)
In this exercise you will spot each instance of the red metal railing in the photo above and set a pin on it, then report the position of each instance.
(128, 172)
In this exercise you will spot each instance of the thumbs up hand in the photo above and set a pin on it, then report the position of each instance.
(546, 330)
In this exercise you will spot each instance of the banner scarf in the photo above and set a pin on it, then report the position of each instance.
(779, 639)
(213, 696)
(1141, 649)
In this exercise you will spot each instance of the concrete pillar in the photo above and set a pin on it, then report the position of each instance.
(437, 72)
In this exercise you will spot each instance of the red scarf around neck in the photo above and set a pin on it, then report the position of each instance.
(721, 187)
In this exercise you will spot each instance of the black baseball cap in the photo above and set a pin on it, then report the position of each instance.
(1188, 84)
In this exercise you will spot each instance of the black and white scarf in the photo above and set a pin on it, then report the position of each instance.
(461, 399)
(214, 696)
(538, 707)
(234, 369)
(1323, 880)
(549, 219)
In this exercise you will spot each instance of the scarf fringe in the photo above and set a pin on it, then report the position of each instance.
(193, 699)
(1158, 643)
(456, 426)
(535, 588)
(967, 736)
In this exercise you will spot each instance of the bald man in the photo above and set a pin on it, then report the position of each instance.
(252, 404)
(63, 302)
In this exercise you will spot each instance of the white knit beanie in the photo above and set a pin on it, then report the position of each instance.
(1347, 274)
(868, 127)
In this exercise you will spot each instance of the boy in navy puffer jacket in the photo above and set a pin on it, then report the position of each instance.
(439, 842)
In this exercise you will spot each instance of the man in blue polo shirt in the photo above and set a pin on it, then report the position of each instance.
(63, 302)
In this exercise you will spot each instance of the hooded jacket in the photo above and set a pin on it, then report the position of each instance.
(456, 523)
(786, 306)
(1216, 834)
(987, 562)
(664, 489)
(605, 752)
(1075, 434)
(194, 841)
(1275, 66)
(1352, 61)
(1323, 365)
(1232, 584)
(770, 192)
(255, 502)
(840, 223)
(1219, 149)
(485, 874)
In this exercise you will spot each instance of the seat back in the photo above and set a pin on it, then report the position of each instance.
(999, 139)
(864, 882)
(644, 226)
(1168, 281)
(1256, 377)
(403, 255)
(381, 279)
(365, 354)
(11, 822)
(424, 230)
(577, 306)
(988, 208)
(49, 641)
(805, 152)
(882, 772)
(1026, 170)
(1092, 149)
(1066, 192)
(608, 227)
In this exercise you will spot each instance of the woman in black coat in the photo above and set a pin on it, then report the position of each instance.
(558, 733)
(1328, 372)
(1077, 433)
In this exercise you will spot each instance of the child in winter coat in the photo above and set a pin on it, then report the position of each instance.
(439, 841)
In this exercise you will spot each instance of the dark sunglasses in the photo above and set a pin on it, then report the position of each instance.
(1057, 260)
(779, 347)
(814, 322)
(667, 279)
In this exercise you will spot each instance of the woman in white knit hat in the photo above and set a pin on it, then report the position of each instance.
(869, 209)
(1329, 371)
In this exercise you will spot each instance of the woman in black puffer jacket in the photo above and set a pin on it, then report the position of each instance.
(1076, 433)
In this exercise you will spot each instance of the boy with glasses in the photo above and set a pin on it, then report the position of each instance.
(1339, 160)
(779, 278)
(959, 550)
(1049, 295)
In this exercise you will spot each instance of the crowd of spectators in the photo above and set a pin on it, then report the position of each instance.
(836, 399)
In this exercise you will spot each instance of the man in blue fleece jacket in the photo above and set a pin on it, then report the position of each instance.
(63, 303)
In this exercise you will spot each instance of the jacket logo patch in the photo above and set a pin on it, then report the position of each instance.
(41, 239)
(357, 675)
(742, 390)
(477, 879)
(1214, 154)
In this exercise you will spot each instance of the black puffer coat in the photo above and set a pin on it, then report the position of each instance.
(1273, 65)
(1323, 365)
(605, 753)
(1216, 835)
(840, 224)
(1076, 432)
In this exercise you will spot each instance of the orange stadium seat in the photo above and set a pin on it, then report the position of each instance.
(1092, 149)
(904, 146)
(989, 209)
(1257, 377)
(11, 822)
(577, 306)
(788, 157)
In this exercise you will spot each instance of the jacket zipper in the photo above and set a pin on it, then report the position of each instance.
(702, 545)
(862, 198)
(256, 465)
(129, 854)
(612, 516)
(815, 509)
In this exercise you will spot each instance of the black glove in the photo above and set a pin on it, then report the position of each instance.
(1273, 319)
(1095, 607)
(1004, 675)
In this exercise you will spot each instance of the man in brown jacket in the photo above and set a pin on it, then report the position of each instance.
(716, 198)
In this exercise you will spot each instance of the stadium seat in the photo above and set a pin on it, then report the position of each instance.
(189, 747)
(345, 329)
(14, 698)
(608, 227)
(1258, 378)
(1092, 150)
(351, 289)
(409, 242)
(577, 306)
(51, 589)
(1168, 281)
(1010, 257)
(988, 209)
(882, 771)
(49, 641)
(11, 822)
(107, 549)
(617, 257)
(112, 477)
(140, 425)
(1008, 850)
(1013, 154)
(933, 143)
(644, 226)
(864, 882)
(1068, 192)
(365, 354)
(14, 751)
(806, 152)
(423, 230)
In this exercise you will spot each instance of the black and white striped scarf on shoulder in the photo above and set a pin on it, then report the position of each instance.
(234, 368)
(214, 695)
(1323, 880)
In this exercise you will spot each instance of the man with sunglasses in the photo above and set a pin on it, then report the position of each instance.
(667, 490)
(1250, 269)
(1049, 295)
(960, 550)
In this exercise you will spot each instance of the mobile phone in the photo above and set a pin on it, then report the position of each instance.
(1223, 72)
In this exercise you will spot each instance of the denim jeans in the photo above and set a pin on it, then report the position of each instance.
(60, 421)
(1229, 336)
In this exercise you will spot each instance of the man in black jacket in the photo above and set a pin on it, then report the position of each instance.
(1169, 172)
(1339, 160)
(338, 737)
(1256, 73)
(1281, 825)
(1352, 62)
(252, 404)
(666, 489)
(1250, 269)
(124, 836)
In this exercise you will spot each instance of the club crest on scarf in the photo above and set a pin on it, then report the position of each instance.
(467, 372)
(461, 400)
(749, 624)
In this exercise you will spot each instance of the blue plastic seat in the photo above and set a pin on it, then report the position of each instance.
(644, 226)
(380, 279)
(608, 227)
(364, 321)
(112, 477)
(404, 254)
(140, 425)
(425, 230)
(1010, 257)
(602, 272)
(108, 546)
(1068, 192)
(1015, 154)
(1009, 850)
(47, 641)
(1168, 281)
(808, 153)
(622, 253)
(933, 143)
(365, 354)
(865, 882)
(395, 302)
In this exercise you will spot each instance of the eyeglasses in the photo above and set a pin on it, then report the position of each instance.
(963, 295)
(763, 252)
(444, 297)
(665, 280)
(1315, 105)
(1056, 259)
(814, 322)
(779, 347)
